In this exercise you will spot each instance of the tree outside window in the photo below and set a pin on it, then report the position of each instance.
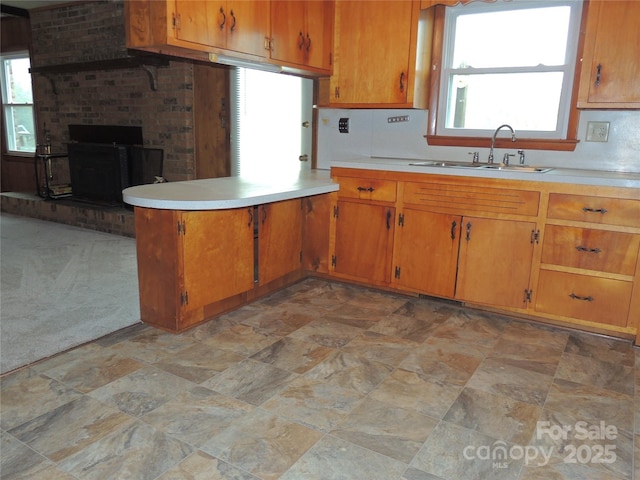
(17, 103)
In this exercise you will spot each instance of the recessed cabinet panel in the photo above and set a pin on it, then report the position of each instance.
(426, 255)
(364, 239)
(610, 68)
(217, 255)
(495, 261)
(279, 239)
(591, 249)
(595, 299)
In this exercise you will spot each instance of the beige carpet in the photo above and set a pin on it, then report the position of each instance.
(61, 286)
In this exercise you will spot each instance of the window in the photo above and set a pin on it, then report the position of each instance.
(17, 101)
(268, 112)
(508, 62)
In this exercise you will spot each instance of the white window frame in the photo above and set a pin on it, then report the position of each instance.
(6, 107)
(568, 68)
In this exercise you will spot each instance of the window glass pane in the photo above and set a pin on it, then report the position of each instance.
(526, 101)
(18, 88)
(536, 36)
(20, 128)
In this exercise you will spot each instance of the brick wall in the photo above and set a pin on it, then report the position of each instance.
(94, 31)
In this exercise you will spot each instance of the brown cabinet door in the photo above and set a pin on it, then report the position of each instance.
(364, 241)
(247, 27)
(301, 32)
(612, 46)
(495, 261)
(426, 252)
(288, 30)
(319, 36)
(279, 239)
(194, 21)
(217, 255)
(373, 44)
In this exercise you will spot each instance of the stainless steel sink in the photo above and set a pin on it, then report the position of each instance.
(495, 166)
(433, 163)
(518, 168)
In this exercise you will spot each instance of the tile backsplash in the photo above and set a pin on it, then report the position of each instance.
(371, 134)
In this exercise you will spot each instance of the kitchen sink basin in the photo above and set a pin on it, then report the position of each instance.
(518, 168)
(433, 163)
(495, 166)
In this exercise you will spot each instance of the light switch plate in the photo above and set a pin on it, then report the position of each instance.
(597, 131)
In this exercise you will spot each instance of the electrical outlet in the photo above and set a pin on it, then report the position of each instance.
(597, 131)
(400, 118)
(343, 125)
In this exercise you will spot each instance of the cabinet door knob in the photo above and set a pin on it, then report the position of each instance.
(598, 75)
(301, 41)
(402, 81)
(454, 224)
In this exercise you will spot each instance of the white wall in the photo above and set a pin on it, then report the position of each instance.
(371, 135)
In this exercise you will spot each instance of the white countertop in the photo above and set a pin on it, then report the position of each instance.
(228, 192)
(558, 175)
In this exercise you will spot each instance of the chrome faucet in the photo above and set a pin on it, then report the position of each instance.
(493, 139)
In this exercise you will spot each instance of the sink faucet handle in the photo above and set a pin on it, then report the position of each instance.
(505, 159)
(521, 153)
(476, 157)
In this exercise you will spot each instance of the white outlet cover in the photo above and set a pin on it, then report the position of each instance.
(597, 131)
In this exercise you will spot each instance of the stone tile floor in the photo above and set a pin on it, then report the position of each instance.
(328, 381)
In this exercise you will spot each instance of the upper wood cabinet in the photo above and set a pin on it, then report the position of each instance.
(376, 47)
(302, 33)
(610, 66)
(196, 28)
(241, 26)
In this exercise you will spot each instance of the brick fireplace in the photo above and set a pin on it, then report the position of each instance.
(83, 74)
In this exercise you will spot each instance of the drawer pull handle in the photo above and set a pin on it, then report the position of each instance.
(580, 248)
(594, 210)
(578, 297)
(365, 189)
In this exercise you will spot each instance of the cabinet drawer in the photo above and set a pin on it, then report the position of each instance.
(595, 299)
(584, 208)
(471, 199)
(367, 189)
(591, 249)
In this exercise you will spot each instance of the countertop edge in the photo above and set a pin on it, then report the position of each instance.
(556, 175)
(239, 196)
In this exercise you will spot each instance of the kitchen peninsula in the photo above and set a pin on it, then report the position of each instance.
(207, 246)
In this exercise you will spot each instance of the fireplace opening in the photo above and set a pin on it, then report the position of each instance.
(104, 160)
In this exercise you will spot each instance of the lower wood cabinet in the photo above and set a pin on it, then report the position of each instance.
(585, 297)
(193, 265)
(363, 241)
(552, 252)
(279, 239)
(426, 252)
(494, 266)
